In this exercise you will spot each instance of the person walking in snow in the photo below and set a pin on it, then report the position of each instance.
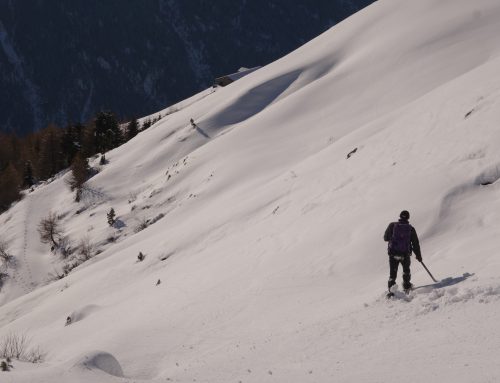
(403, 239)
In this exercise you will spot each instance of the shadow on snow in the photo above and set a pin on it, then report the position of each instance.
(446, 282)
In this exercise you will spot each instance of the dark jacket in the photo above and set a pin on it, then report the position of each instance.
(415, 244)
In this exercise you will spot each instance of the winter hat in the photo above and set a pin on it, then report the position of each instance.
(405, 214)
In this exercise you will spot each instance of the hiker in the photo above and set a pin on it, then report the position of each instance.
(402, 239)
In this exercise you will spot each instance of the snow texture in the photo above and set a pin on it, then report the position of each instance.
(267, 238)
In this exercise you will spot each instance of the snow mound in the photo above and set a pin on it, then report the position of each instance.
(100, 360)
(442, 295)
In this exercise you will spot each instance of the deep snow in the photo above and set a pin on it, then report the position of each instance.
(268, 240)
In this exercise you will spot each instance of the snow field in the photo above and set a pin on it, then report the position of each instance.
(268, 240)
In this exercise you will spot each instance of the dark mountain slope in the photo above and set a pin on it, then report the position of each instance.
(62, 61)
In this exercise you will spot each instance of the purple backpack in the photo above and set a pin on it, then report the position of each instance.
(400, 243)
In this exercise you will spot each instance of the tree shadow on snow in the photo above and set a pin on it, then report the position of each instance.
(199, 130)
(119, 224)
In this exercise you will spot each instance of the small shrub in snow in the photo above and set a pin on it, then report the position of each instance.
(193, 124)
(56, 275)
(164, 257)
(36, 355)
(86, 248)
(80, 210)
(70, 266)
(3, 248)
(3, 277)
(143, 224)
(65, 247)
(16, 346)
(132, 197)
(351, 153)
(4, 366)
(157, 218)
(5, 256)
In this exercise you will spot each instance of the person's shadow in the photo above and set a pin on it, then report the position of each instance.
(446, 282)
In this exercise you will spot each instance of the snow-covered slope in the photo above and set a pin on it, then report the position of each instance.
(268, 240)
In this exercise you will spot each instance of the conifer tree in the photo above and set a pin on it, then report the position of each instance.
(132, 128)
(111, 217)
(71, 142)
(9, 187)
(28, 179)
(7, 150)
(107, 132)
(51, 159)
(79, 174)
(146, 124)
(89, 140)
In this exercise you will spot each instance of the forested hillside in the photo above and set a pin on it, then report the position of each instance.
(62, 62)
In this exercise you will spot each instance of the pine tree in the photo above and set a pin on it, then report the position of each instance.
(51, 158)
(71, 142)
(107, 132)
(146, 124)
(8, 150)
(89, 140)
(79, 174)
(9, 187)
(132, 128)
(33, 153)
(111, 217)
(28, 179)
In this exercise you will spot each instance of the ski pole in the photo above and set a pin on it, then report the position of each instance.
(426, 269)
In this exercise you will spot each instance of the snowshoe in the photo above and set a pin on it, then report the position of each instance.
(408, 289)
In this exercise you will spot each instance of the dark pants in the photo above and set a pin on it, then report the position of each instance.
(394, 262)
